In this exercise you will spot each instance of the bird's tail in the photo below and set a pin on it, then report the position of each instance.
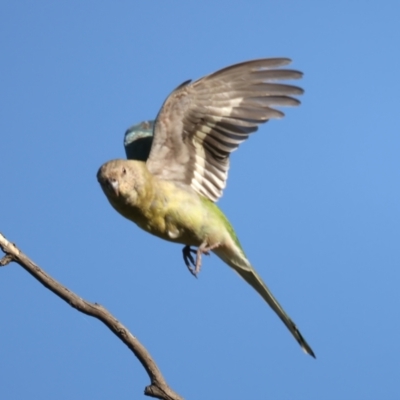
(243, 267)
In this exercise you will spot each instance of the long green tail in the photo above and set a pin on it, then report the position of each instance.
(248, 273)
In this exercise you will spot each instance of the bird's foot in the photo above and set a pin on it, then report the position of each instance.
(194, 267)
(189, 260)
(204, 248)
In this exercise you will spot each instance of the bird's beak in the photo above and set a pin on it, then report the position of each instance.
(109, 184)
(113, 186)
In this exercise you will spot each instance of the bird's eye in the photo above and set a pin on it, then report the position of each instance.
(123, 170)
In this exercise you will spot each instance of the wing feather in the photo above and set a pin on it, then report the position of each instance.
(201, 123)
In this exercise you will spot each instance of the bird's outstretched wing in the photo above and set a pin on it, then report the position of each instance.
(137, 141)
(202, 122)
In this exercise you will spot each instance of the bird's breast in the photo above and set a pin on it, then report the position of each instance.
(172, 214)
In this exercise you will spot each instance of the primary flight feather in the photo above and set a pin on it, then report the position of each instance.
(171, 180)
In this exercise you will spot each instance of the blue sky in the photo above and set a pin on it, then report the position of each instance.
(314, 199)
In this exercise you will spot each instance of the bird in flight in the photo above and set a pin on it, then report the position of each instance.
(177, 165)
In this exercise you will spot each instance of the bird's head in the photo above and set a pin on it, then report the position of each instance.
(123, 181)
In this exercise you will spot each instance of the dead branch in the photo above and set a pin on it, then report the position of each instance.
(158, 387)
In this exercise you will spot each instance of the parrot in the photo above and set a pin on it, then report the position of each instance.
(169, 185)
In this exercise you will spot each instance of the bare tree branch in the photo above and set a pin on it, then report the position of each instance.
(158, 387)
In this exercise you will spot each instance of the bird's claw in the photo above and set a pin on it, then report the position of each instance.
(192, 265)
(189, 260)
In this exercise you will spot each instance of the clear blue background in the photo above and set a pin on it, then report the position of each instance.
(314, 199)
